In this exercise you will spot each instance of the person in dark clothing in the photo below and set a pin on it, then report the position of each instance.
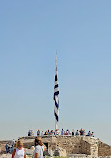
(72, 132)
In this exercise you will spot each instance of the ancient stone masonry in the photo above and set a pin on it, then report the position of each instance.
(93, 149)
(104, 149)
(71, 145)
(74, 145)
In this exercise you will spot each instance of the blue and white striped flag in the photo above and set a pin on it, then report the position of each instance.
(56, 98)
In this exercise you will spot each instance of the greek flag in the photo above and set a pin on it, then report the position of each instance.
(56, 98)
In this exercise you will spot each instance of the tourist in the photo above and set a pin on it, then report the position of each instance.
(32, 133)
(77, 133)
(39, 148)
(81, 132)
(48, 132)
(12, 143)
(19, 151)
(62, 132)
(67, 132)
(38, 132)
(42, 133)
(45, 133)
(11, 150)
(51, 132)
(6, 148)
(89, 133)
(72, 132)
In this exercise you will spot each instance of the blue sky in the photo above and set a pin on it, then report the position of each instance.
(30, 34)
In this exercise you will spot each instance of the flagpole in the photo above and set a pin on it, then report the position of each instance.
(56, 98)
(55, 72)
(56, 127)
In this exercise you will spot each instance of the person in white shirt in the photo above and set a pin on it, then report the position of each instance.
(42, 133)
(19, 151)
(12, 142)
(39, 148)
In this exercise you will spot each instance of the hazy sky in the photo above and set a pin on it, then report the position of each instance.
(30, 34)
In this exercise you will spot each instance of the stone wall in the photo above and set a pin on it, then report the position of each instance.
(72, 144)
(104, 149)
(85, 148)
(93, 145)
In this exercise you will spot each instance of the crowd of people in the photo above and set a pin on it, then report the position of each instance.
(80, 132)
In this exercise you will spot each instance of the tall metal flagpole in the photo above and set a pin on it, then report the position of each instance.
(56, 97)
